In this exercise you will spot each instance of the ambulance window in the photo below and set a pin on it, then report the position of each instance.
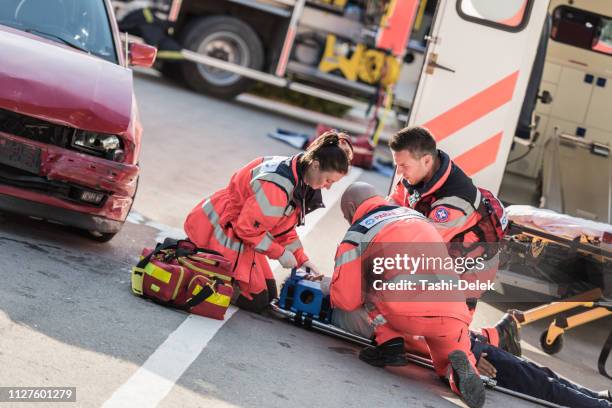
(582, 29)
(509, 15)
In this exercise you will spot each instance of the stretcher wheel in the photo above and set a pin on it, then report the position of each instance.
(553, 348)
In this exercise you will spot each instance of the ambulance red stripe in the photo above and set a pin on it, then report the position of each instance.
(481, 156)
(473, 108)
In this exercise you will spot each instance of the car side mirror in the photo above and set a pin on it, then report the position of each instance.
(141, 55)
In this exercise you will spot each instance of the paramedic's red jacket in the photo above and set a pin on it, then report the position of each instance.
(450, 199)
(346, 288)
(254, 216)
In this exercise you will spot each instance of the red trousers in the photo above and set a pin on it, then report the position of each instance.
(442, 335)
(251, 268)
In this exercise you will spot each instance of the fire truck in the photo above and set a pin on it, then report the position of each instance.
(349, 52)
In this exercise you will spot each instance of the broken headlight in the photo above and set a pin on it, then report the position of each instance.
(99, 144)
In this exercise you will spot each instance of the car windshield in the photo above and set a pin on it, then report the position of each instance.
(82, 24)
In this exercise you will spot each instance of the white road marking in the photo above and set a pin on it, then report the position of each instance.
(155, 379)
(165, 231)
(148, 386)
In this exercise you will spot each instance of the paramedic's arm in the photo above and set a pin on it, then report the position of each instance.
(450, 221)
(260, 213)
(291, 241)
(345, 288)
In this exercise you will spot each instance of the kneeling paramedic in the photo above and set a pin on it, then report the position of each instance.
(444, 324)
(432, 184)
(255, 216)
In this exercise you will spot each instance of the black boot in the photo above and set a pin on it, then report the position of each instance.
(390, 353)
(509, 335)
(259, 304)
(272, 291)
(466, 379)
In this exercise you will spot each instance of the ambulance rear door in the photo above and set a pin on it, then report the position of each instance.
(471, 89)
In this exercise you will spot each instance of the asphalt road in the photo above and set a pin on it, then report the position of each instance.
(68, 318)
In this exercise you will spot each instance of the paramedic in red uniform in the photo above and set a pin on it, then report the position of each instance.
(255, 216)
(436, 187)
(376, 226)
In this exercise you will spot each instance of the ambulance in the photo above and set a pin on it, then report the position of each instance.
(567, 156)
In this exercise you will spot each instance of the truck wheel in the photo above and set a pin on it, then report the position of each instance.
(226, 38)
(171, 70)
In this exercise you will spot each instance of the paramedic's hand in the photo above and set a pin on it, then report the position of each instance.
(485, 367)
(287, 260)
(314, 274)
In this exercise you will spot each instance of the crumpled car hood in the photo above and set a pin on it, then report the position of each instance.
(53, 82)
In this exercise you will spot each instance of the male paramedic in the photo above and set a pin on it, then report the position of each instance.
(376, 226)
(436, 187)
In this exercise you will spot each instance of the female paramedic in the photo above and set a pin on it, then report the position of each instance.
(255, 216)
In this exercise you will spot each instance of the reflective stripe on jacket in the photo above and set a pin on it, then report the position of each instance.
(377, 222)
(256, 212)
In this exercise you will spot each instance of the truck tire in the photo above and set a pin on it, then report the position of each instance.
(227, 38)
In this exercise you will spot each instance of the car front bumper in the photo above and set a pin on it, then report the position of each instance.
(57, 214)
(54, 193)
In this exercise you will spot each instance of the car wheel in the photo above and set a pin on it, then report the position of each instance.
(100, 236)
(107, 236)
(226, 38)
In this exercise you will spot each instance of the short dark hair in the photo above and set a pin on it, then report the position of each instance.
(416, 139)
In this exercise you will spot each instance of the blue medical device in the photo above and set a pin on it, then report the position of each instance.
(300, 295)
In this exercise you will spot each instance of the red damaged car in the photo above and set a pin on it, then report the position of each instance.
(69, 126)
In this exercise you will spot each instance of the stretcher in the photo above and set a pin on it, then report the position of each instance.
(573, 257)
(551, 339)
(302, 303)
